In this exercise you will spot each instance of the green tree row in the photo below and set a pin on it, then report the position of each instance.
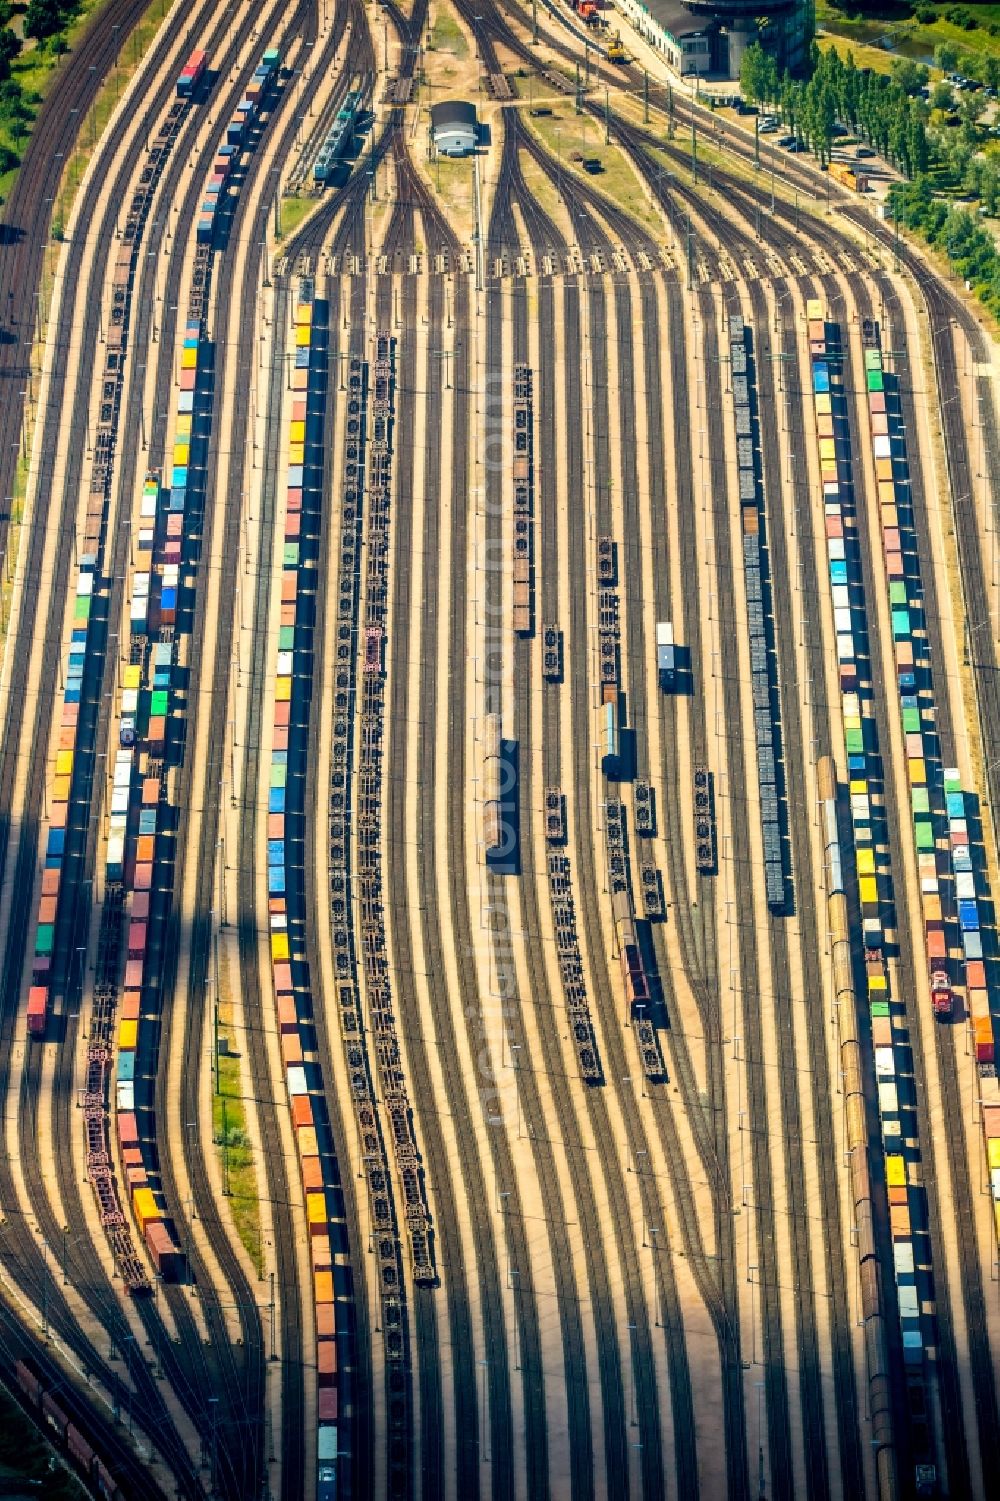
(874, 106)
(957, 231)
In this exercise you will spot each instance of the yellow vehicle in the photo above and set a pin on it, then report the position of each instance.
(616, 52)
(842, 173)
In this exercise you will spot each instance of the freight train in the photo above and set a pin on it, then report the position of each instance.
(45, 1406)
(236, 140)
(338, 142)
(907, 1207)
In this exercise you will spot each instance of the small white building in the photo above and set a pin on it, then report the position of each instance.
(454, 127)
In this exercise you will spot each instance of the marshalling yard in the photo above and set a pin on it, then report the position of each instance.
(499, 735)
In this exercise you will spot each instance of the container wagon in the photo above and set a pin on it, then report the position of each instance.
(665, 659)
(610, 763)
(629, 953)
(848, 177)
(191, 74)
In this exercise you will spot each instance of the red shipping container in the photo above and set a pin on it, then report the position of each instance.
(289, 586)
(50, 882)
(834, 526)
(128, 1133)
(70, 713)
(894, 565)
(188, 379)
(975, 974)
(327, 1406)
(150, 791)
(133, 974)
(143, 879)
(38, 1005)
(880, 425)
(57, 815)
(135, 1177)
(890, 539)
(140, 905)
(302, 1111)
(41, 966)
(281, 713)
(991, 1121)
(936, 948)
(136, 940)
(293, 500)
(299, 411)
(279, 737)
(131, 1006)
(47, 909)
(293, 523)
(283, 978)
(132, 1156)
(876, 401)
(312, 1174)
(276, 826)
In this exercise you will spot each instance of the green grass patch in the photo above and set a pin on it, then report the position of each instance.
(564, 133)
(864, 56)
(291, 212)
(232, 1141)
(446, 35)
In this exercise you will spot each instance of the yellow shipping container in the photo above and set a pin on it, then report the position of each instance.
(996, 1217)
(279, 946)
(814, 309)
(283, 690)
(296, 453)
(144, 1205)
(64, 763)
(316, 1208)
(859, 788)
(189, 359)
(918, 772)
(824, 407)
(60, 789)
(303, 312)
(183, 429)
(877, 984)
(303, 335)
(827, 450)
(298, 432)
(868, 889)
(308, 1145)
(993, 1151)
(866, 862)
(127, 1032)
(132, 676)
(895, 1172)
(182, 452)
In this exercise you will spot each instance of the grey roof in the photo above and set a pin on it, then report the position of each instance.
(674, 17)
(453, 112)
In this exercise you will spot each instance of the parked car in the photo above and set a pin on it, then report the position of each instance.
(863, 151)
(786, 141)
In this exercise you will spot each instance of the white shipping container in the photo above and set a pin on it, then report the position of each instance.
(297, 1080)
(285, 660)
(885, 1063)
(965, 886)
(841, 597)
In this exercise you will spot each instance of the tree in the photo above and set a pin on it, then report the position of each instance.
(44, 18)
(991, 71)
(910, 76)
(971, 109)
(9, 48)
(758, 75)
(946, 56)
(942, 96)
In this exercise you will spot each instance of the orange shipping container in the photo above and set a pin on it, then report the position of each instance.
(291, 1048)
(312, 1174)
(326, 1326)
(50, 882)
(47, 909)
(323, 1287)
(302, 1111)
(326, 1354)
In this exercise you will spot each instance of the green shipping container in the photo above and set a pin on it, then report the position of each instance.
(44, 940)
(924, 832)
(879, 1008)
(855, 742)
(286, 638)
(875, 382)
(291, 555)
(873, 359)
(278, 776)
(159, 703)
(911, 721)
(920, 800)
(81, 609)
(897, 592)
